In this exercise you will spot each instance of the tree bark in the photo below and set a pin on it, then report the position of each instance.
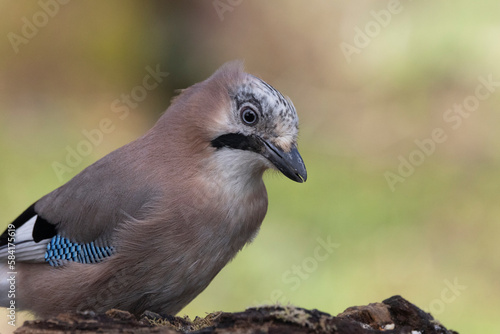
(394, 315)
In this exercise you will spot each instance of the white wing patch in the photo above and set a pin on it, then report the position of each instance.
(25, 249)
(55, 251)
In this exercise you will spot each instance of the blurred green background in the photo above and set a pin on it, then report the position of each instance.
(367, 78)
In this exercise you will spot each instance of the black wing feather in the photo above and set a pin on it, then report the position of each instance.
(42, 229)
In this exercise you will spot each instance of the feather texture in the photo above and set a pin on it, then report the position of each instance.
(60, 250)
(150, 225)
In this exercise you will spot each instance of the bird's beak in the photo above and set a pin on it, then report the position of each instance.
(289, 163)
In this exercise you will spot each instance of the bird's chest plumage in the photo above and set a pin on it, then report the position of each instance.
(212, 225)
(229, 212)
(209, 224)
(238, 197)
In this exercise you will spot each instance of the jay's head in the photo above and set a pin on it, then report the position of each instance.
(239, 119)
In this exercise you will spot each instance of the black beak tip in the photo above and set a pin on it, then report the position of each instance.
(296, 170)
(303, 178)
(299, 168)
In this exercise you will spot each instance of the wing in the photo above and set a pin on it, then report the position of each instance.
(33, 239)
(76, 222)
(19, 237)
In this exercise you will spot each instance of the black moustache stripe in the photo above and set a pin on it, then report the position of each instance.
(239, 141)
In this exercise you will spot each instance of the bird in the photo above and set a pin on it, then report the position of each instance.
(149, 226)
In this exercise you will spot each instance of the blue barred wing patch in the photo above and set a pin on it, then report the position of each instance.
(60, 250)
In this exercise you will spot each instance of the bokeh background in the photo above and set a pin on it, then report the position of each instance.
(367, 78)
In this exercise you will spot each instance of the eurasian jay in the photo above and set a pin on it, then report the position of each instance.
(150, 225)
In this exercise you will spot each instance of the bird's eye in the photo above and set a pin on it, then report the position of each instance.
(249, 116)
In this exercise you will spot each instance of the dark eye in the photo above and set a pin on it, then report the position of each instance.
(249, 116)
